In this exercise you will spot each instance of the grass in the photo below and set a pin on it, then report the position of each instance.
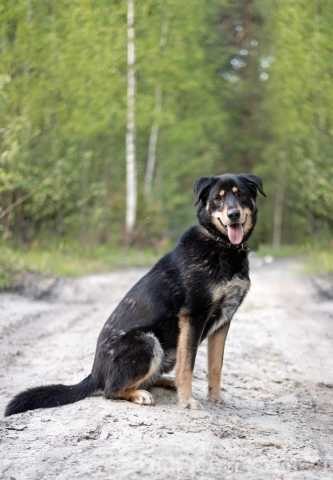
(70, 259)
(320, 262)
(282, 251)
(317, 258)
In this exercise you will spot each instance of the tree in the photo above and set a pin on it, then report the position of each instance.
(131, 174)
(298, 109)
(203, 87)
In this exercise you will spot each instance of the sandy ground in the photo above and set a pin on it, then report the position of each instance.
(276, 421)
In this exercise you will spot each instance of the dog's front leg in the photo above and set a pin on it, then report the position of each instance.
(186, 352)
(216, 344)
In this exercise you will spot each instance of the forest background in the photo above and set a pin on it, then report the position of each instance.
(110, 109)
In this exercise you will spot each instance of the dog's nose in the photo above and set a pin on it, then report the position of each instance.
(234, 214)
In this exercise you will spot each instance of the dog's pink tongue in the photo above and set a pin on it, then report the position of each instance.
(235, 233)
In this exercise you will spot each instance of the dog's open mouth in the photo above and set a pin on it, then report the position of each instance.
(235, 232)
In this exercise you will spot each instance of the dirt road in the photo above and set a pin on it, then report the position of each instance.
(276, 421)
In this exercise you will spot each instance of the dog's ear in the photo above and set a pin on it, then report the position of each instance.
(253, 182)
(201, 188)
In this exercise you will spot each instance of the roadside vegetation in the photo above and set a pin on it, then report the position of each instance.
(317, 258)
(211, 87)
(320, 261)
(70, 259)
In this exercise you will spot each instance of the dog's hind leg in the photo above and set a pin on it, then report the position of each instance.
(165, 382)
(168, 363)
(137, 360)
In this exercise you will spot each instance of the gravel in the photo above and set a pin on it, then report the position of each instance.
(275, 422)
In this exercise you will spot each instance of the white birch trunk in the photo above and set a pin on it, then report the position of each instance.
(152, 146)
(131, 173)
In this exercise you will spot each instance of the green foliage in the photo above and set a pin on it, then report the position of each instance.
(298, 105)
(316, 258)
(245, 86)
(320, 261)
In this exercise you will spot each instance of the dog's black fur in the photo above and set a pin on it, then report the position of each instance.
(204, 278)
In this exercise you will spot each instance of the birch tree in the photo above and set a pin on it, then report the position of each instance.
(131, 171)
(91, 114)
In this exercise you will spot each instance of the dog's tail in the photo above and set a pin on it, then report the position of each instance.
(50, 396)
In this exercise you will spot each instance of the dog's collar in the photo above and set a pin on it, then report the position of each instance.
(242, 247)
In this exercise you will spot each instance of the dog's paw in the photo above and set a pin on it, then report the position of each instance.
(142, 397)
(190, 403)
(215, 397)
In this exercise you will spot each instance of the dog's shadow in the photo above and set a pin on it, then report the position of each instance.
(164, 396)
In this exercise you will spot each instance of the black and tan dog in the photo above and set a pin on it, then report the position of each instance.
(190, 294)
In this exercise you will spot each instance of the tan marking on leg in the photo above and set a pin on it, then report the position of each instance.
(216, 344)
(133, 394)
(140, 396)
(183, 364)
(167, 383)
(183, 360)
(136, 395)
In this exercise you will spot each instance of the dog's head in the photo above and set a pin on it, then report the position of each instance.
(227, 204)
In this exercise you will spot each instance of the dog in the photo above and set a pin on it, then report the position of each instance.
(190, 294)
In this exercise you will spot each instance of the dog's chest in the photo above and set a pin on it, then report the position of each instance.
(226, 298)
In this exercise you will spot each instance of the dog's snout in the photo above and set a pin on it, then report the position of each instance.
(234, 214)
